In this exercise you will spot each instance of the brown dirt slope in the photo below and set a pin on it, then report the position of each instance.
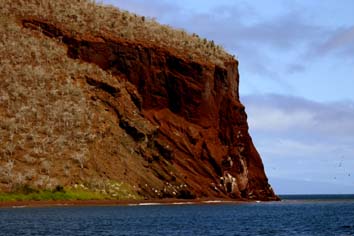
(96, 96)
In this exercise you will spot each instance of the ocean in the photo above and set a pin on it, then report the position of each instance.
(294, 215)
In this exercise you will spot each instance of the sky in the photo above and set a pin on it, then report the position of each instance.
(296, 80)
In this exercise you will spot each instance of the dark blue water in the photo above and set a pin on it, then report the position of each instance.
(293, 216)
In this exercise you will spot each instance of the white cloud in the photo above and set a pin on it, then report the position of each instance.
(301, 139)
(280, 114)
(293, 148)
(341, 41)
(274, 119)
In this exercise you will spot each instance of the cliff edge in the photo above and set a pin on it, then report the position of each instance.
(98, 107)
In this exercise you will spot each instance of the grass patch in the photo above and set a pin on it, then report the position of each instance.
(59, 193)
(51, 195)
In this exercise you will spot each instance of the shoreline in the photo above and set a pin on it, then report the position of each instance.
(83, 203)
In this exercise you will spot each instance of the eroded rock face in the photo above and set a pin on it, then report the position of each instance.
(189, 114)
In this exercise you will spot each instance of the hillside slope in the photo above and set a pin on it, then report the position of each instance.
(114, 102)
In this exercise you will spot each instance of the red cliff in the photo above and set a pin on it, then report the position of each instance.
(184, 116)
(201, 124)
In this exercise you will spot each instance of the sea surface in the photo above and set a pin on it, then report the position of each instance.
(295, 215)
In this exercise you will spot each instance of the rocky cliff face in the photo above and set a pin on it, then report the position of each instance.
(187, 130)
(190, 114)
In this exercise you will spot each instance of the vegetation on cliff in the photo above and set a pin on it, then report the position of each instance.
(44, 116)
(51, 132)
(97, 97)
(87, 17)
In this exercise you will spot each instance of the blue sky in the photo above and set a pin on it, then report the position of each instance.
(297, 79)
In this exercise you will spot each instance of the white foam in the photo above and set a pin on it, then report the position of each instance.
(149, 204)
(214, 201)
(182, 203)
